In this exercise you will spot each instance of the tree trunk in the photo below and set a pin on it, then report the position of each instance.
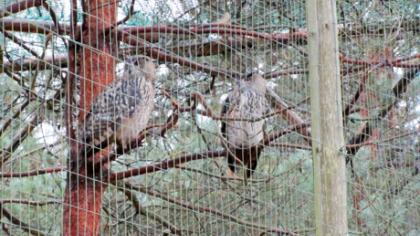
(327, 120)
(95, 69)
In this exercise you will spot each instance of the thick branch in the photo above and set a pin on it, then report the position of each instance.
(173, 163)
(290, 116)
(277, 134)
(163, 56)
(41, 64)
(151, 33)
(167, 164)
(383, 62)
(28, 202)
(32, 173)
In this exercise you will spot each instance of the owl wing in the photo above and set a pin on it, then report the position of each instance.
(117, 102)
(231, 103)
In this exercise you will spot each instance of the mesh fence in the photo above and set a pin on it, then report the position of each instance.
(193, 117)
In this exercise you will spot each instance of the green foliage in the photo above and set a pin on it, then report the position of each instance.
(383, 184)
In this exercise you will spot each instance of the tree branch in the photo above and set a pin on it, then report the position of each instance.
(21, 135)
(366, 131)
(19, 6)
(32, 173)
(28, 202)
(25, 227)
(362, 87)
(131, 195)
(163, 165)
(220, 214)
(20, 43)
(383, 62)
(290, 116)
(6, 123)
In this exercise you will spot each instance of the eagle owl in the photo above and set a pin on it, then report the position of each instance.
(243, 130)
(122, 110)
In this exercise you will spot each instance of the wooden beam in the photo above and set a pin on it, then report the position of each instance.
(327, 121)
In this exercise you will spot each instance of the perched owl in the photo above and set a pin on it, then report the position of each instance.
(122, 110)
(246, 104)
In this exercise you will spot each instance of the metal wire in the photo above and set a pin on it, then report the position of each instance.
(174, 177)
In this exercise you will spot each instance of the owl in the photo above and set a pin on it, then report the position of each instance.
(244, 107)
(122, 110)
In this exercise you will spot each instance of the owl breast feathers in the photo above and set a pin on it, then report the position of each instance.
(245, 105)
(122, 111)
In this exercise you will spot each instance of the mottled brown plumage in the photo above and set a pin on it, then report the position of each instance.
(246, 104)
(122, 111)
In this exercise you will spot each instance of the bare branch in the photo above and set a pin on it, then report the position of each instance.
(223, 178)
(29, 202)
(19, 42)
(32, 173)
(129, 14)
(19, 6)
(186, 205)
(382, 63)
(290, 145)
(366, 130)
(290, 116)
(22, 225)
(167, 164)
(362, 87)
(21, 135)
(131, 195)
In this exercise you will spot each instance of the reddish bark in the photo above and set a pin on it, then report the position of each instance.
(82, 207)
(96, 68)
(97, 61)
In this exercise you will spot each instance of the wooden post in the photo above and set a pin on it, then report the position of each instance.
(327, 120)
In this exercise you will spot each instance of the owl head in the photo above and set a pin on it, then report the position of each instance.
(138, 66)
(257, 82)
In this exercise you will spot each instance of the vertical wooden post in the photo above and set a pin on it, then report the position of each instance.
(96, 69)
(327, 120)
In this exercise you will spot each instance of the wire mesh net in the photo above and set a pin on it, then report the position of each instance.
(193, 117)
